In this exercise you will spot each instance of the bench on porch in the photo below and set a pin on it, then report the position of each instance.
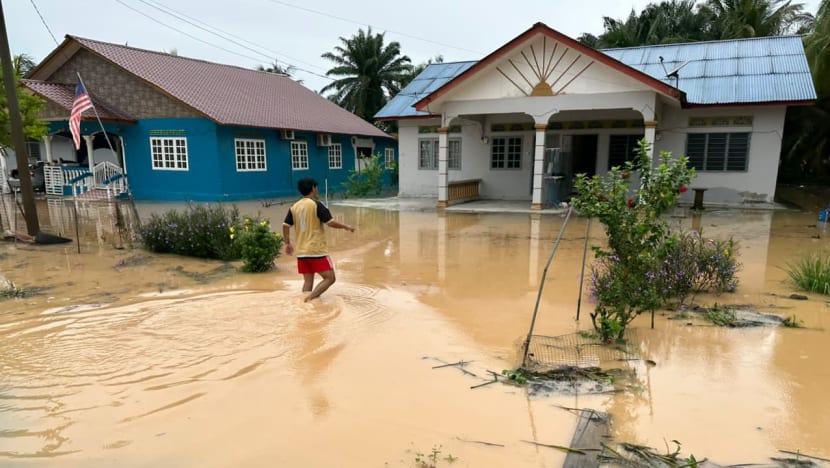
(460, 191)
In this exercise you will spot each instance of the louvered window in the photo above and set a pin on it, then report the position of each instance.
(719, 152)
(622, 148)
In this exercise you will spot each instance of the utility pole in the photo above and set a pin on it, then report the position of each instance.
(29, 209)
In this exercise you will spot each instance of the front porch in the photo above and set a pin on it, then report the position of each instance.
(105, 180)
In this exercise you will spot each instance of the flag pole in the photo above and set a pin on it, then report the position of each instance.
(114, 154)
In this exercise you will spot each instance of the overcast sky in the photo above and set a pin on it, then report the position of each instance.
(248, 33)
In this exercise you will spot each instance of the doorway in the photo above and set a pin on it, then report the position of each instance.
(584, 154)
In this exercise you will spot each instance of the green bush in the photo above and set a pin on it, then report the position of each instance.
(198, 231)
(690, 264)
(811, 273)
(257, 244)
(369, 181)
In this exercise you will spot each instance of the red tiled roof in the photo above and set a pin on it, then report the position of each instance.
(63, 95)
(233, 95)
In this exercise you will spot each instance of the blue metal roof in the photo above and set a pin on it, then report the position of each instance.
(742, 71)
(433, 77)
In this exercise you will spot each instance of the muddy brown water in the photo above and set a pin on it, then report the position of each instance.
(129, 358)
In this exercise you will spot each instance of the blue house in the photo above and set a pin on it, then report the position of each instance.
(176, 128)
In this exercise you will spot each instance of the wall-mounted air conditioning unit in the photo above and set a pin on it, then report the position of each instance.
(323, 139)
(287, 134)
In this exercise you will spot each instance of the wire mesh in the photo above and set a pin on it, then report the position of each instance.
(579, 350)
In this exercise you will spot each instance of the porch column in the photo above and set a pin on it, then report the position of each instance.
(538, 166)
(47, 142)
(442, 167)
(650, 134)
(89, 157)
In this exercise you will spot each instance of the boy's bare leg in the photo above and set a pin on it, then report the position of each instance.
(322, 286)
(308, 282)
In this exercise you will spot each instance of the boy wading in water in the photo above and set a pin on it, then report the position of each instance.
(307, 217)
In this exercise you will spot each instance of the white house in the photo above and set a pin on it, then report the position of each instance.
(519, 123)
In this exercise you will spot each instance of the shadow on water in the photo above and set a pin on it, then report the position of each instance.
(156, 359)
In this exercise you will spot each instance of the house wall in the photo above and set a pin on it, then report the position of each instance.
(755, 185)
(117, 88)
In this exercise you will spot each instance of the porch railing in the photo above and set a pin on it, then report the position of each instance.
(104, 172)
(459, 191)
(53, 180)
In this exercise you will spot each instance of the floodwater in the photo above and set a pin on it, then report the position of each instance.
(133, 359)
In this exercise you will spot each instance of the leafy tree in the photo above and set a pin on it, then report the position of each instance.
(734, 19)
(29, 104)
(669, 21)
(367, 71)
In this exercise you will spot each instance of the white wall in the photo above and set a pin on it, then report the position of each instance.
(758, 182)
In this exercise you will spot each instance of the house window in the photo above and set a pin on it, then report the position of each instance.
(250, 155)
(622, 148)
(389, 157)
(169, 153)
(723, 152)
(33, 149)
(454, 154)
(428, 154)
(506, 153)
(299, 155)
(336, 156)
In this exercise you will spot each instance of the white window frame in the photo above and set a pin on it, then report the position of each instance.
(432, 164)
(504, 165)
(389, 157)
(299, 155)
(169, 158)
(454, 154)
(248, 156)
(336, 156)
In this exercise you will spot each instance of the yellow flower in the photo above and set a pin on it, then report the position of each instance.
(264, 223)
(233, 228)
(232, 236)
(726, 252)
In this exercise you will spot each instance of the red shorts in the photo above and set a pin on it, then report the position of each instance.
(313, 265)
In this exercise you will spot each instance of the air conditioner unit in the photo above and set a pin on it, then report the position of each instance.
(323, 139)
(287, 134)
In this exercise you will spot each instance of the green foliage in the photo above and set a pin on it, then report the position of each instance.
(515, 375)
(29, 104)
(369, 180)
(431, 459)
(198, 231)
(811, 273)
(367, 72)
(689, 264)
(9, 290)
(624, 273)
(257, 244)
(722, 317)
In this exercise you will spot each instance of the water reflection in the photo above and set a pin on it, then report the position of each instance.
(124, 345)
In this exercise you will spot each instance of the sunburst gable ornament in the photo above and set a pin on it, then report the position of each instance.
(545, 69)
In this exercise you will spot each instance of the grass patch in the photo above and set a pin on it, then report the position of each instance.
(811, 273)
(9, 290)
(721, 317)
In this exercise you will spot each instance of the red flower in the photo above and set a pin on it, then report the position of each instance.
(630, 202)
(682, 189)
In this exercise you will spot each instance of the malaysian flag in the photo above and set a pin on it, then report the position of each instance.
(81, 103)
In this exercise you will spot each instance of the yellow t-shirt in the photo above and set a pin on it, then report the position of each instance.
(308, 216)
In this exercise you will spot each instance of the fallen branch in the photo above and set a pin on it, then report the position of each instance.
(459, 363)
(495, 379)
(580, 451)
(799, 454)
(489, 444)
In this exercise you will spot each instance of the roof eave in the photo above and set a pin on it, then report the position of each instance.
(654, 83)
(796, 103)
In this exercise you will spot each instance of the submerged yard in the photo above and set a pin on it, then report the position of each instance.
(122, 356)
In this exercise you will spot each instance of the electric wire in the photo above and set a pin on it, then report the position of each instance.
(43, 20)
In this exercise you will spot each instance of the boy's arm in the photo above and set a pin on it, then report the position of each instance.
(286, 235)
(338, 225)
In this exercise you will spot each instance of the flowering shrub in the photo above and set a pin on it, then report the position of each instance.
(257, 244)
(198, 231)
(624, 274)
(690, 264)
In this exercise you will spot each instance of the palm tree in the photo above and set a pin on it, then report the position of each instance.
(669, 21)
(734, 19)
(23, 64)
(368, 72)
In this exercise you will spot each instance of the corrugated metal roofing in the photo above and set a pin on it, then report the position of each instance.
(433, 77)
(743, 71)
(234, 95)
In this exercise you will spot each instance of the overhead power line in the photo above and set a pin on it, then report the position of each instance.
(347, 20)
(43, 20)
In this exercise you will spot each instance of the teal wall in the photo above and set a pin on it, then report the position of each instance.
(212, 173)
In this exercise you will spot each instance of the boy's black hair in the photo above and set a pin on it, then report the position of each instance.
(306, 185)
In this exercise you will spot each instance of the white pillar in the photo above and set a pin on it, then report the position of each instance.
(650, 134)
(442, 167)
(538, 166)
(47, 143)
(89, 151)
